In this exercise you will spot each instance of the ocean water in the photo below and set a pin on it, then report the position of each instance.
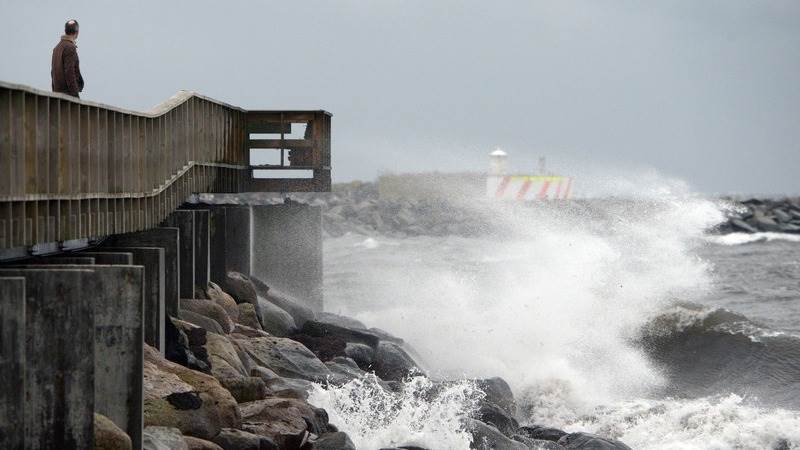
(625, 319)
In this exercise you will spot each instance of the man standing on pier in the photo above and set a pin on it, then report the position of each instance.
(66, 71)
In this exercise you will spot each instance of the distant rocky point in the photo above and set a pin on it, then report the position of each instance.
(762, 215)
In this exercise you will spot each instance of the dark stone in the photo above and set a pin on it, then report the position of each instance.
(201, 321)
(494, 415)
(184, 400)
(392, 363)
(362, 354)
(331, 441)
(743, 226)
(590, 441)
(543, 433)
(325, 348)
(499, 393)
(487, 437)
(233, 439)
(177, 349)
(275, 320)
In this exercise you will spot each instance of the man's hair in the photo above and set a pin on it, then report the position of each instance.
(71, 27)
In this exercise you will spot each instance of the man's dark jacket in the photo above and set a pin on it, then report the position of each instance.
(66, 71)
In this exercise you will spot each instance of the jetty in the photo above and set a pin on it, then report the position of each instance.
(98, 245)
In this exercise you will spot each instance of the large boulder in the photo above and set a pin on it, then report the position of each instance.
(232, 439)
(590, 441)
(191, 401)
(276, 320)
(327, 330)
(177, 350)
(392, 363)
(339, 320)
(286, 421)
(492, 414)
(239, 286)
(248, 317)
(540, 432)
(209, 309)
(285, 357)
(246, 389)
(487, 437)
(499, 393)
(299, 312)
(222, 298)
(362, 354)
(108, 436)
(193, 443)
(163, 438)
(537, 444)
(200, 320)
(344, 369)
(332, 441)
(224, 358)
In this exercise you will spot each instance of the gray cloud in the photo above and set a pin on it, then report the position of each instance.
(703, 90)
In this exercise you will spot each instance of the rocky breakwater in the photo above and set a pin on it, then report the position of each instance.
(764, 215)
(239, 369)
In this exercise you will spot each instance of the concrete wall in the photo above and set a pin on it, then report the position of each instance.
(59, 366)
(287, 250)
(12, 361)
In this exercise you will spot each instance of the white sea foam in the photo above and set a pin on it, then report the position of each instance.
(747, 238)
(422, 414)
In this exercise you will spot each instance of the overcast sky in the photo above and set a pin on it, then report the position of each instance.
(706, 91)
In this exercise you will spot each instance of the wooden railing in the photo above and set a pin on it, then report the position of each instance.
(72, 169)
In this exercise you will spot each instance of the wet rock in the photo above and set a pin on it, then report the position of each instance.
(193, 443)
(183, 401)
(241, 331)
(492, 414)
(222, 298)
(163, 438)
(339, 320)
(290, 388)
(246, 389)
(248, 316)
(542, 433)
(232, 439)
(590, 441)
(743, 226)
(386, 336)
(163, 378)
(392, 363)
(344, 369)
(276, 321)
(108, 436)
(176, 348)
(499, 393)
(239, 286)
(263, 373)
(285, 357)
(209, 309)
(224, 358)
(285, 421)
(328, 330)
(195, 334)
(781, 215)
(537, 444)
(299, 312)
(331, 441)
(200, 320)
(487, 437)
(363, 355)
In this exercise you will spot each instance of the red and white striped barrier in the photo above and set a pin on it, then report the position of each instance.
(528, 188)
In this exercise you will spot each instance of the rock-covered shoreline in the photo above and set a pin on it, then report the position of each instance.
(763, 215)
(240, 363)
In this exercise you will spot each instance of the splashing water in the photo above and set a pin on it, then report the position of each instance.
(423, 413)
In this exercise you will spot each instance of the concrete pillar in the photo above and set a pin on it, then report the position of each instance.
(287, 250)
(117, 296)
(229, 240)
(12, 361)
(183, 220)
(59, 352)
(202, 243)
(110, 259)
(152, 259)
(166, 238)
(62, 260)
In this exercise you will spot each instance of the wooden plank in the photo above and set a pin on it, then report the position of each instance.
(290, 144)
(5, 142)
(31, 166)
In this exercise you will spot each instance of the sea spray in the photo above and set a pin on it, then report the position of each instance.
(421, 412)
